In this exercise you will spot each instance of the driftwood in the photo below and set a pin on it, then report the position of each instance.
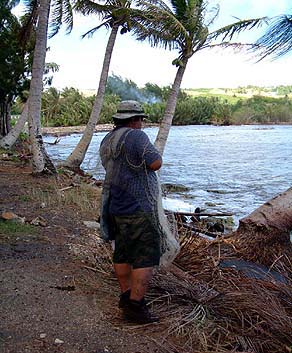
(198, 230)
(264, 235)
(57, 140)
(203, 214)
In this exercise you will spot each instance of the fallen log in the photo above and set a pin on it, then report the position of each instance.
(264, 235)
(203, 214)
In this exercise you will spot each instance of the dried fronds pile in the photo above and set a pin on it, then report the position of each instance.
(214, 308)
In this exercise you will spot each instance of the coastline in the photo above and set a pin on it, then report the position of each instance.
(68, 130)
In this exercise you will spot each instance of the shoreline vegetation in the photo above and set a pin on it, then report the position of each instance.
(238, 106)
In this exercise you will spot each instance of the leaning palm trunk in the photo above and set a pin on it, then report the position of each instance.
(166, 122)
(40, 161)
(9, 140)
(77, 156)
(265, 235)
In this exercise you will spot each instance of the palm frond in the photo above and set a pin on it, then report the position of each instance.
(235, 46)
(180, 8)
(159, 4)
(212, 15)
(227, 32)
(154, 37)
(28, 20)
(62, 13)
(160, 20)
(91, 32)
(88, 7)
(68, 15)
(51, 67)
(56, 18)
(277, 40)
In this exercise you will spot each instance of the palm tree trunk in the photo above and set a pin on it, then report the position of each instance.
(166, 122)
(40, 161)
(265, 235)
(9, 140)
(77, 156)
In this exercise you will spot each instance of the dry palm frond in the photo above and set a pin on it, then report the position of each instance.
(208, 308)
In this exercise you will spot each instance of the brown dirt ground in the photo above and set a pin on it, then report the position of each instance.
(51, 286)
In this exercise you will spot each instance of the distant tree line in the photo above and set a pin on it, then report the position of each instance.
(70, 107)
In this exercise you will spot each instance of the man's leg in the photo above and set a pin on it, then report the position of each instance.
(123, 273)
(140, 279)
(135, 309)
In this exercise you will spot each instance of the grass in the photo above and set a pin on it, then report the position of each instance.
(24, 198)
(84, 198)
(14, 228)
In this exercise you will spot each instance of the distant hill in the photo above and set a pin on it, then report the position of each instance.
(88, 92)
(232, 94)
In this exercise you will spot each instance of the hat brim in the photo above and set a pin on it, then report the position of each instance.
(129, 115)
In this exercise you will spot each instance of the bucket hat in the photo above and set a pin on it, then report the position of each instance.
(128, 109)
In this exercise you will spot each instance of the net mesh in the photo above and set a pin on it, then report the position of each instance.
(144, 186)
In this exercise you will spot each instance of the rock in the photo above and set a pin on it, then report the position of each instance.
(92, 224)
(39, 221)
(12, 217)
(7, 216)
(168, 187)
(58, 341)
(218, 224)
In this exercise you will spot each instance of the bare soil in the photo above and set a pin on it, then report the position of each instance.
(53, 297)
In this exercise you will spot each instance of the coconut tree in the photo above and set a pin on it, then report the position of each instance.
(40, 19)
(40, 159)
(184, 25)
(115, 15)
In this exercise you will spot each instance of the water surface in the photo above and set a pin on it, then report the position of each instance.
(228, 169)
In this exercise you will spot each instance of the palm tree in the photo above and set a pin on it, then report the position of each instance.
(183, 26)
(40, 160)
(115, 14)
(9, 140)
(277, 40)
(39, 17)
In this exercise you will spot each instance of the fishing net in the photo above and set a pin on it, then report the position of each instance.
(143, 186)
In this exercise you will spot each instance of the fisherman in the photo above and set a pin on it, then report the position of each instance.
(129, 208)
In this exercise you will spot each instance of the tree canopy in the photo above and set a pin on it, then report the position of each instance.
(15, 61)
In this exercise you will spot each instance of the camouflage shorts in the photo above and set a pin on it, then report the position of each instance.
(137, 240)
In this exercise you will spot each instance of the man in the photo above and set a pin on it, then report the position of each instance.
(129, 208)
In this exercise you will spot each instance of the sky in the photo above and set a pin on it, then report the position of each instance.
(80, 60)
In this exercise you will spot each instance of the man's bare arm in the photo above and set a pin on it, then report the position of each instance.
(155, 165)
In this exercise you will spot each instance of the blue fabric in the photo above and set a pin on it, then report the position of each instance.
(129, 189)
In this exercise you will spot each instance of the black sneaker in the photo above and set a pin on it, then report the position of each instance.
(138, 312)
(124, 298)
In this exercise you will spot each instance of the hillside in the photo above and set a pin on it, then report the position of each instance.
(233, 94)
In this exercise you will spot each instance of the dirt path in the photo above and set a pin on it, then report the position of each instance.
(51, 301)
